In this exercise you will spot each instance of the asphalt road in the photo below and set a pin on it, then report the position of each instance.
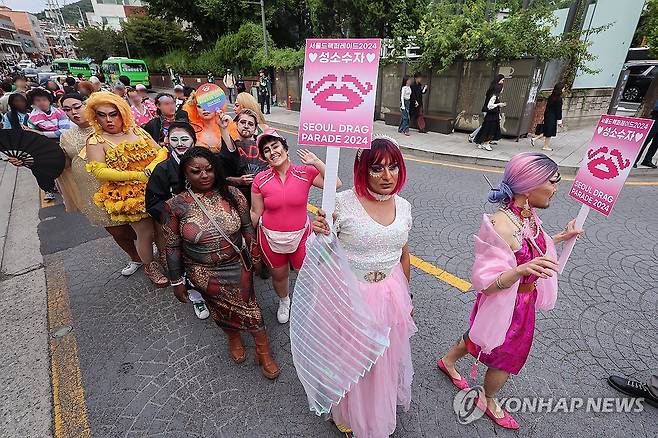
(150, 368)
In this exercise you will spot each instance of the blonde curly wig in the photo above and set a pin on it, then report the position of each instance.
(107, 98)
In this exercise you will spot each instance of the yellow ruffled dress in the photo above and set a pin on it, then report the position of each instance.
(123, 177)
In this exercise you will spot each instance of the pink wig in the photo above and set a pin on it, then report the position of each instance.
(380, 150)
(523, 173)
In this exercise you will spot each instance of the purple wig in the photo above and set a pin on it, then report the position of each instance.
(523, 173)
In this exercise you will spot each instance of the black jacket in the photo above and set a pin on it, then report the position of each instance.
(154, 126)
(162, 186)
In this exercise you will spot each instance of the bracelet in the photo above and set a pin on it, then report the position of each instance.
(178, 282)
(499, 283)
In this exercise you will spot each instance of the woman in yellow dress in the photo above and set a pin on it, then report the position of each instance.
(122, 155)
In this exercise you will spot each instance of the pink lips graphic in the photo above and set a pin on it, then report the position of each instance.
(350, 98)
(606, 167)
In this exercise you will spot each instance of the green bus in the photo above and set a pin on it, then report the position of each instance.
(133, 69)
(75, 66)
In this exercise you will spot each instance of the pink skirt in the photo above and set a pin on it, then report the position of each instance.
(369, 408)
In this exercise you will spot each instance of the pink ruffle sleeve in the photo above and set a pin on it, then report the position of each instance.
(494, 316)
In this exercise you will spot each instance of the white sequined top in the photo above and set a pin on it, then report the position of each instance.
(370, 246)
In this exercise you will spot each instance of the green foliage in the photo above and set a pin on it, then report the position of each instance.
(649, 27)
(287, 58)
(149, 36)
(70, 12)
(99, 44)
(470, 29)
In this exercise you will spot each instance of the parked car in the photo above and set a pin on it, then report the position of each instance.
(31, 74)
(25, 64)
(640, 76)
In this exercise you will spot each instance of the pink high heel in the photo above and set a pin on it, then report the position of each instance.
(459, 383)
(508, 422)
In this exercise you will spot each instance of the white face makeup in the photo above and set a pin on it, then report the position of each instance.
(180, 141)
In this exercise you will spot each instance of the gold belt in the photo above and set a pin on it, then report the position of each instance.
(374, 276)
(527, 287)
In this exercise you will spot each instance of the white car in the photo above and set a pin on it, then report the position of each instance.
(26, 64)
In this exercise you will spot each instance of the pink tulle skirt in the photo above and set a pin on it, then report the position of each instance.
(369, 408)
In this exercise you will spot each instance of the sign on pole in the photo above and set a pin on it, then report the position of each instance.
(210, 97)
(607, 163)
(338, 100)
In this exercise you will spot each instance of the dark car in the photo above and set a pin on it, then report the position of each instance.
(31, 74)
(639, 79)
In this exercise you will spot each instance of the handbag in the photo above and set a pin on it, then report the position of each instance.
(245, 256)
(539, 129)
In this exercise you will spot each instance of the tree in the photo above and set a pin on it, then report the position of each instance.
(210, 18)
(70, 12)
(149, 36)
(99, 44)
(647, 31)
(499, 31)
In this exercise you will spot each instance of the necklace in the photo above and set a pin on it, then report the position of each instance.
(518, 234)
(379, 197)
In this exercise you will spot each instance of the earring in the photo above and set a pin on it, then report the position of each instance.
(526, 212)
(188, 186)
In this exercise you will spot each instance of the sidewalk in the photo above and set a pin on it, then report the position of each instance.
(569, 146)
(25, 390)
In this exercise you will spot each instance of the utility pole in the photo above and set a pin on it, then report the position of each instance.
(82, 18)
(262, 17)
(126, 43)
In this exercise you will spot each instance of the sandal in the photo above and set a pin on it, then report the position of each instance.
(459, 383)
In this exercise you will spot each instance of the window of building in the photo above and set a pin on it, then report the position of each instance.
(133, 67)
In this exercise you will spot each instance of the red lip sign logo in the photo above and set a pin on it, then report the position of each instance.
(333, 98)
(606, 164)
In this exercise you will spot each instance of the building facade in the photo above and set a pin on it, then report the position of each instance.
(10, 48)
(111, 13)
(28, 24)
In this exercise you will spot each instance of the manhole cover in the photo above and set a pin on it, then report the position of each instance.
(62, 331)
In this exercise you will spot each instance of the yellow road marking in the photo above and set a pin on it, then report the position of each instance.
(426, 267)
(70, 407)
(487, 168)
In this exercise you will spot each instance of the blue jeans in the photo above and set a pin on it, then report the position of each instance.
(404, 118)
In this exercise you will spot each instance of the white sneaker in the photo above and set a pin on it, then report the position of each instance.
(201, 310)
(283, 314)
(485, 146)
(131, 268)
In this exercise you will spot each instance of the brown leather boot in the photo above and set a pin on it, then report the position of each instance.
(154, 272)
(263, 357)
(235, 347)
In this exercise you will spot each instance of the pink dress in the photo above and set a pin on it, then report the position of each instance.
(369, 408)
(141, 118)
(513, 353)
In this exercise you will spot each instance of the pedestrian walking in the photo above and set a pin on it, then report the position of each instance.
(498, 79)
(264, 91)
(651, 138)
(240, 86)
(417, 110)
(514, 274)
(211, 243)
(405, 99)
(229, 83)
(552, 116)
(372, 223)
(120, 155)
(490, 130)
(162, 185)
(279, 197)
